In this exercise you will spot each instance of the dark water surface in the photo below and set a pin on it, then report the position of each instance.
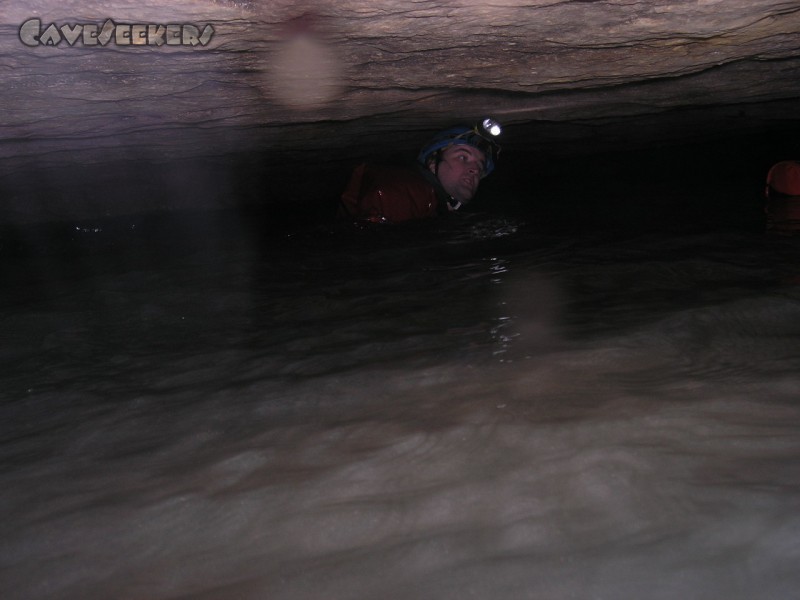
(462, 409)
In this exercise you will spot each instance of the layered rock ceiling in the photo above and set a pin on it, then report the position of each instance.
(131, 119)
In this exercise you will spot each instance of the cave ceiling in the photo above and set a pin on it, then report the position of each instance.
(293, 82)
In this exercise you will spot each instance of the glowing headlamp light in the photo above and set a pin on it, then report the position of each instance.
(482, 135)
(491, 127)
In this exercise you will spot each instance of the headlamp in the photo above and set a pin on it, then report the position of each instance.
(491, 127)
(482, 135)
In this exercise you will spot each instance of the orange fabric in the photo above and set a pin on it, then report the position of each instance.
(784, 178)
(388, 195)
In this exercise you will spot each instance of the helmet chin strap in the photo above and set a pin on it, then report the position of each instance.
(439, 158)
(452, 203)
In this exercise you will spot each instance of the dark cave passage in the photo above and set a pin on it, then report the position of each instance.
(686, 186)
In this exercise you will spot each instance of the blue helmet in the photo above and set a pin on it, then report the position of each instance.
(478, 136)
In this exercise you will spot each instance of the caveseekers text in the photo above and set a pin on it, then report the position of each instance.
(92, 34)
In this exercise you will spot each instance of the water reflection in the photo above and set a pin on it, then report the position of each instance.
(442, 414)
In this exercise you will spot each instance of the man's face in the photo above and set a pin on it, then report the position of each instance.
(460, 171)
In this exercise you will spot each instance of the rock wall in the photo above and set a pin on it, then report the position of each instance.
(119, 107)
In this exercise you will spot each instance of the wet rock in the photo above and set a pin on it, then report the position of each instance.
(265, 88)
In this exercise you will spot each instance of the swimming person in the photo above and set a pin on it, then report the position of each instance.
(782, 195)
(446, 176)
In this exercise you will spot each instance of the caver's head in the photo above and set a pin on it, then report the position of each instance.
(783, 179)
(460, 157)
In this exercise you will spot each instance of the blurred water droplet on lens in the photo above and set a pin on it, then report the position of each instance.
(305, 72)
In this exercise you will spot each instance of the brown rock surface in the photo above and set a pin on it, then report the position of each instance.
(115, 129)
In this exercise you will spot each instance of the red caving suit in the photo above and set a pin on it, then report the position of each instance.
(392, 194)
